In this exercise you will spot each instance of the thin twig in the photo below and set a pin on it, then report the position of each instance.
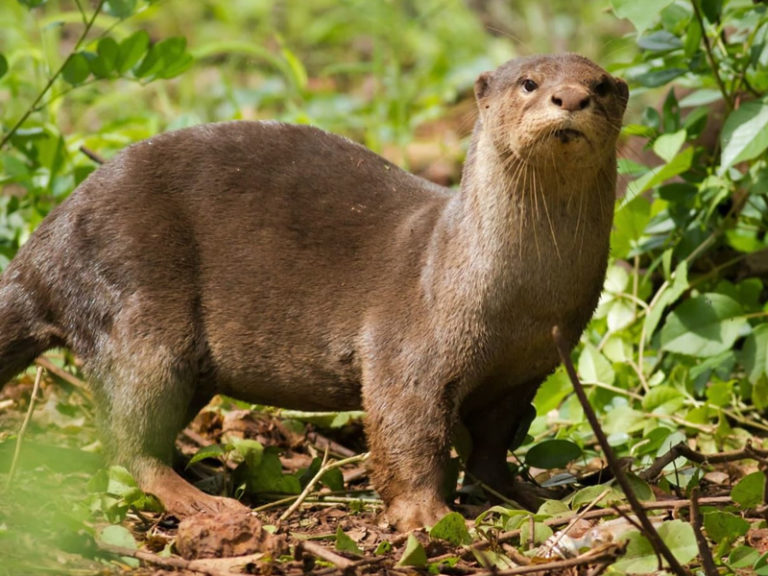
(649, 530)
(711, 56)
(92, 155)
(325, 467)
(27, 418)
(33, 107)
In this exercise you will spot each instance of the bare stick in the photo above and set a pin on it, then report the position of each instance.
(43, 362)
(650, 531)
(24, 425)
(210, 566)
(707, 562)
(682, 449)
(92, 155)
(601, 557)
(323, 553)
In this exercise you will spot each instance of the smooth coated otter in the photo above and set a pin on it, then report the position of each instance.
(286, 266)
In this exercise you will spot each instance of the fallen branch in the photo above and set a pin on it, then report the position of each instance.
(648, 529)
(323, 553)
(210, 566)
(605, 556)
(683, 450)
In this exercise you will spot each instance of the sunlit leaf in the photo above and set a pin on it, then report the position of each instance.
(641, 14)
(414, 554)
(452, 528)
(345, 544)
(745, 133)
(703, 326)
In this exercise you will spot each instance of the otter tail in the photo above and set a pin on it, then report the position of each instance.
(23, 332)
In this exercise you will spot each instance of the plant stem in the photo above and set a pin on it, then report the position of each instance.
(711, 56)
(33, 107)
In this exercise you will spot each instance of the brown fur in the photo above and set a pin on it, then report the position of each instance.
(287, 266)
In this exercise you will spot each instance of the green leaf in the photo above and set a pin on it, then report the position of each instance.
(724, 526)
(703, 326)
(629, 226)
(552, 454)
(552, 392)
(3, 66)
(664, 399)
(712, 10)
(656, 78)
(641, 14)
(132, 49)
(213, 451)
(670, 295)
(345, 544)
(754, 354)
(76, 69)
(660, 41)
(452, 528)
(640, 558)
(655, 176)
(743, 557)
(103, 66)
(121, 483)
(667, 146)
(117, 535)
(594, 367)
(120, 8)
(748, 492)
(251, 451)
(745, 134)
(32, 3)
(268, 475)
(414, 554)
(165, 59)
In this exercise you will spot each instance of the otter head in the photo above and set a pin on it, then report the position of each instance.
(544, 109)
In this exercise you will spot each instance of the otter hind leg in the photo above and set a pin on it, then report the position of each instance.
(146, 393)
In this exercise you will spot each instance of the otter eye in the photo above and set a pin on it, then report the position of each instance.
(603, 88)
(529, 85)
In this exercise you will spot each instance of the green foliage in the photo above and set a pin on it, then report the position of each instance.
(345, 544)
(680, 338)
(451, 528)
(640, 558)
(414, 554)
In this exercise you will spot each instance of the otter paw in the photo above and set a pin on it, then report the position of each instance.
(408, 514)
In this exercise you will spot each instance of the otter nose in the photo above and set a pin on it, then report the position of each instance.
(571, 98)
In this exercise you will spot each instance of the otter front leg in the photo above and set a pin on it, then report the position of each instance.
(496, 427)
(408, 432)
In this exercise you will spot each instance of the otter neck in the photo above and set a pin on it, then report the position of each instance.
(517, 231)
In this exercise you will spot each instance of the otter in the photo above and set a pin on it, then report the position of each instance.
(286, 266)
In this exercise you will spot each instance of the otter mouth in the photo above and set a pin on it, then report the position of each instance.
(565, 135)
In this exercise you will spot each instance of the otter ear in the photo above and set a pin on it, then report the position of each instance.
(623, 89)
(483, 85)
